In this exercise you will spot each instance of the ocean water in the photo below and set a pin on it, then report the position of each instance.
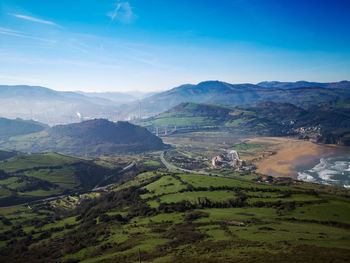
(331, 170)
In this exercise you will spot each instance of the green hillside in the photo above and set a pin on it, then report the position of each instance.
(302, 94)
(5, 154)
(28, 177)
(168, 217)
(89, 138)
(191, 114)
(265, 118)
(9, 128)
(328, 122)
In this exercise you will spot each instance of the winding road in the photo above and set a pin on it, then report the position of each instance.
(170, 166)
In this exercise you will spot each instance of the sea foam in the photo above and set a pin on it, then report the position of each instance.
(333, 171)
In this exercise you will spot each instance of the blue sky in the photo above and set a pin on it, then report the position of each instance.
(110, 45)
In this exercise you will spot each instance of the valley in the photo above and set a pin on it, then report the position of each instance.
(57, 107)
(325, 123)
(200, 182)
(174, 131)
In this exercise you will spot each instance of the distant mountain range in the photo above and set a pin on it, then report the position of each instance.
(57, 107)
(302, 94)
(298, 84)
(54, 107)
(89, 138)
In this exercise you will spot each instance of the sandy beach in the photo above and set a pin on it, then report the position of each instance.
(289, 153)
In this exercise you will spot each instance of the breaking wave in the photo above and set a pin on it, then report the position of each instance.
(332, 171)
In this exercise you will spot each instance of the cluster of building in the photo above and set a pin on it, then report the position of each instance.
(229, 159)
(308, 130)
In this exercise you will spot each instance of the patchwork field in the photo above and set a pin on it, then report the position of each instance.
(28, 177)
(173, 217)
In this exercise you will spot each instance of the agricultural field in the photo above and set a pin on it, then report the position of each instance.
(174, 217)
(204, 139)
(192, 159)
(250, 150)
(28, 177)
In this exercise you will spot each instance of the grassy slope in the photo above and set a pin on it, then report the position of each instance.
(192, 114)
(265, 119)
(6, 154)
(9, 128)
(222, 220)
(34, 176)
(89, 138)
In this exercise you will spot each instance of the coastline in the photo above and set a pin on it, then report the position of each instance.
(290, 153)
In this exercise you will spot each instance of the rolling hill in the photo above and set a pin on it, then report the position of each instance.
(302, 94)
(27, 177)
(172, 217)
(88, 138)
(267, 118)
(55, 107)
(5, 154)
(9, 128)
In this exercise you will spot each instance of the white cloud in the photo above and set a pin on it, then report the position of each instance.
(122, 12)
(33, 19)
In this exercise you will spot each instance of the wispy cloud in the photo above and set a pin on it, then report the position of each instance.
(8, 30)
(122, 12)
(15, 33)
(33, 19)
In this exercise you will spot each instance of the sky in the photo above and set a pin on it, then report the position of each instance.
(155, 45)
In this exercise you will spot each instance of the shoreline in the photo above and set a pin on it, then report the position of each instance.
(290, 153)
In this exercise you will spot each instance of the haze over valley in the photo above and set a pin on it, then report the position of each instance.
(53, 107)
(174, 131)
